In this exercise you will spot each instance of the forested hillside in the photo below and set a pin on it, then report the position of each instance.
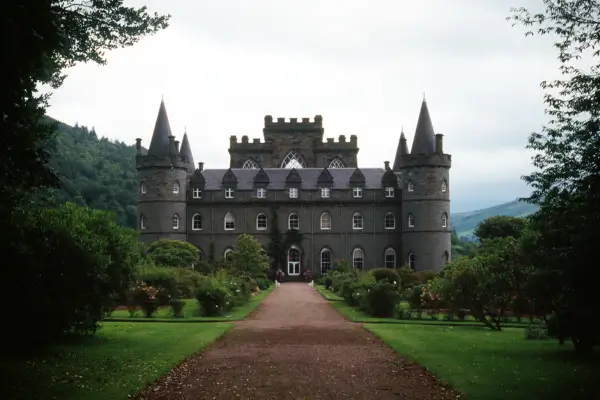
(95, 172)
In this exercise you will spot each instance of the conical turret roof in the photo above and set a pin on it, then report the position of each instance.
(424, 140)
(400, 151)
(159, 145)
(186, 151)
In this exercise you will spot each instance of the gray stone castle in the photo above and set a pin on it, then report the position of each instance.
(372, 217)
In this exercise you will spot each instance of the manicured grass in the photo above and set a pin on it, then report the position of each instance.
(486, 365)
(191, 312)
(328, 294)
(120, 360)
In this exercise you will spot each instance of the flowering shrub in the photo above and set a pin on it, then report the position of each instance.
(144, 296)
(380, 299)
(214, 296)
(431, 300)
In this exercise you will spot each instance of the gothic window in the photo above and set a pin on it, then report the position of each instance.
(227, 255)
(325, 192)
(357, 221)
(336, 163)
(261, 193)
(358, 258)
(229, 221)
(144, 188)
(197, 222)
(261, 222)
(293, 193)
(444, 186)
(229, 193)
(411, 260)
(293, 221)
(175, 221)
(356, 192)
(293, 160)
(411, 186)
(250, 164)
(142, 222)
(444, 220)
(325, 261)
(197, 193)
(389, 192)
(390, 258)
(411, 221)
(389, 221)
(325, 221)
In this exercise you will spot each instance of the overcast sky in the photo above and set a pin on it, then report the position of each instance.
(364, 65)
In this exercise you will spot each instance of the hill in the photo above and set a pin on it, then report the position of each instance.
(464, 223)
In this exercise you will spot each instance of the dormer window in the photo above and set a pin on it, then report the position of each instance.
(356, 192)
(389, 192)
(261, 193)
(325, 192)
(144, 188)
(229, 193)
(176, 187)
(293, 192)
(411, 186)
(197, 193)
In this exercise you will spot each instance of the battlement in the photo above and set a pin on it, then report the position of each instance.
(342, 144)
(280, 125)
(149, 161)
(426, 160)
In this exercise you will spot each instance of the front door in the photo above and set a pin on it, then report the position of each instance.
(293, 262)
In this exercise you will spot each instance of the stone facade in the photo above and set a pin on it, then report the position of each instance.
(371, 217)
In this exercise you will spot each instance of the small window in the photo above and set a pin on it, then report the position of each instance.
(390, 258)
(197, 193)
(390, 221)
(144, 188)
(229, 193)
(389, 192)
(261, 193)
(411, 221)
(325, 192)
(229, 222)
(228, 255)
(358, 259)
(325, 221)
(357, 221)
(411, 260)
(293, 221)
(357, 192)
(176, 187)
(325, 261)
(142, 222)
(197, 222)
(411, 186)
(261, 222)
(444, 220)
(444, 186)
(293, 192)
(175, 221)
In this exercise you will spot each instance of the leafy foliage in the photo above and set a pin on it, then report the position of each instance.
(499, 227)
(248, 258)
(279, 243)
(174, 253)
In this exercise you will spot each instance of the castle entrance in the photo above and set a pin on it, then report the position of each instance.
(293, 262)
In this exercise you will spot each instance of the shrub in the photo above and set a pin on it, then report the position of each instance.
(327, 282)
(413, 296)
(177, 306)
(204, 267)
(535, 332)
(386, 273)
(263, 283)
(341, 266)
(174, 282)
(380, 299)
(173, 253)
(213, 296)
(353, 289)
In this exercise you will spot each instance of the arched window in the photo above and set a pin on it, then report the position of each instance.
(411, 186)
(197, 222)
(144, 188)
(200, 255)
(444, 186)
(293, 221)
(411, 221)
(142, 222)
(325, 221)
(175, 221)
(389, 221)
(444, 220)
(325, 261)
(390, 258)
(446, 257)
(261, 222)
(336, 163)
(250, 164)
(293, 160)
(227, 255)
(358, 258)
(175, 187)
(357, 221)
(411, 260)
(229, 221)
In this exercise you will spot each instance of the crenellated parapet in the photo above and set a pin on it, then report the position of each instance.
(304, 125)
(425, 160)
(342, 144)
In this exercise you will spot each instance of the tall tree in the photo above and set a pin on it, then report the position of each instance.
(566, 183)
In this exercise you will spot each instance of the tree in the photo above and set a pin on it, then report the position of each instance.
(499, 226)
(248, 257)
(566, 184)
(174, 253)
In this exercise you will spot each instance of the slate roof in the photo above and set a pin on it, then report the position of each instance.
(277, 176)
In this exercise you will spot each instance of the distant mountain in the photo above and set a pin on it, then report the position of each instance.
(464, 223)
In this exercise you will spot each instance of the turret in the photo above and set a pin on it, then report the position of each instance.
(186, 152)
(424, 175)
(163, 181)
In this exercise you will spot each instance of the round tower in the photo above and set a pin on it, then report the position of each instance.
(162, 187)
(424, 174)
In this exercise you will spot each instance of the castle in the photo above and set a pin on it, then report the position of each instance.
(372, 217)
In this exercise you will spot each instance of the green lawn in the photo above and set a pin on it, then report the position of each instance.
(191, 312)
(486, 365)
(120, 360)
(328, 294)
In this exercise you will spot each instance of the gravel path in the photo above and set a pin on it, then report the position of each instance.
(296, 346)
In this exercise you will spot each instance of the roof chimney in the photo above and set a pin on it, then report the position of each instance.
(387, 165)
(200, 166)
